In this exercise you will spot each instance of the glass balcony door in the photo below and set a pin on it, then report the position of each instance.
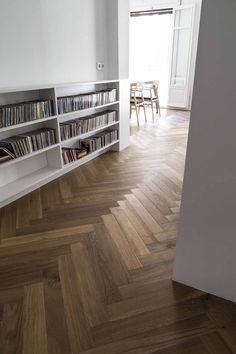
(182, 31)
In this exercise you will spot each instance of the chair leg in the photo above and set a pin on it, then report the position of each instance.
(158, 108)
(153, 117)
(137, 114)
(145, 114)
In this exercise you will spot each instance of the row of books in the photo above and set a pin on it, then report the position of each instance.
(23, 144)
(84, 101)
(25, 112)
(73, 154)
(99, 140)
(89, 145)
(76, 127)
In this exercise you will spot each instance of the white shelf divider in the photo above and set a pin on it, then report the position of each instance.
(22, 125)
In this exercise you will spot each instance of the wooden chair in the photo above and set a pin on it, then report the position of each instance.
(137, 100)
(151, 97)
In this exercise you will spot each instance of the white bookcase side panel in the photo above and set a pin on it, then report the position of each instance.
(54, 158)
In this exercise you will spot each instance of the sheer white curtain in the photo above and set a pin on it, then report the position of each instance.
(150, 49)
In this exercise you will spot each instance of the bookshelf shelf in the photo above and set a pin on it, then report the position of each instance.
(87, 110)
(24, 174)
(28, 156)
(22, 125)
(90, 156)
(90, 133)
(27, 184)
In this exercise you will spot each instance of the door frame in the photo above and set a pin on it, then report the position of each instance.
(190, 50)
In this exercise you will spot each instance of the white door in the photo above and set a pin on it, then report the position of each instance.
(183, 20)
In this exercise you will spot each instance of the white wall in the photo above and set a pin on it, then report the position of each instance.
(52, 41)
(206, 246)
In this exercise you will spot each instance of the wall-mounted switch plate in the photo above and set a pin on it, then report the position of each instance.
(100, 66)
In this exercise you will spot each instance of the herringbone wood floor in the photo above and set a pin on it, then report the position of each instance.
(86, 261)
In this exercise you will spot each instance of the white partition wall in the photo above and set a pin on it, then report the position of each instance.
(206, 247)
(123, 59)
(118, 12)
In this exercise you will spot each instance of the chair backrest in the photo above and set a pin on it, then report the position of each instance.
(151, 90)
(136, 91)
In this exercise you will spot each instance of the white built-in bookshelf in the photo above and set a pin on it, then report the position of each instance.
(22, 175)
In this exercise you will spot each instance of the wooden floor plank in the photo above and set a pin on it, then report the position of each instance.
(34, 322)
(152, 193)
(56, 236)
(109, 253)
(137, 223)
(88, 282)
(149, 206)
(78, 327)
(106, 285)
(130, 232)
(126, 252)
(159, 338)
(57, 333)
(35, 206)
(8, 221)
(151, 300)
(11, 328)
(143, 323)
(150, 222)
(214, 344)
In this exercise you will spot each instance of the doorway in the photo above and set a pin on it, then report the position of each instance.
(161, 42)
(150, 33)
